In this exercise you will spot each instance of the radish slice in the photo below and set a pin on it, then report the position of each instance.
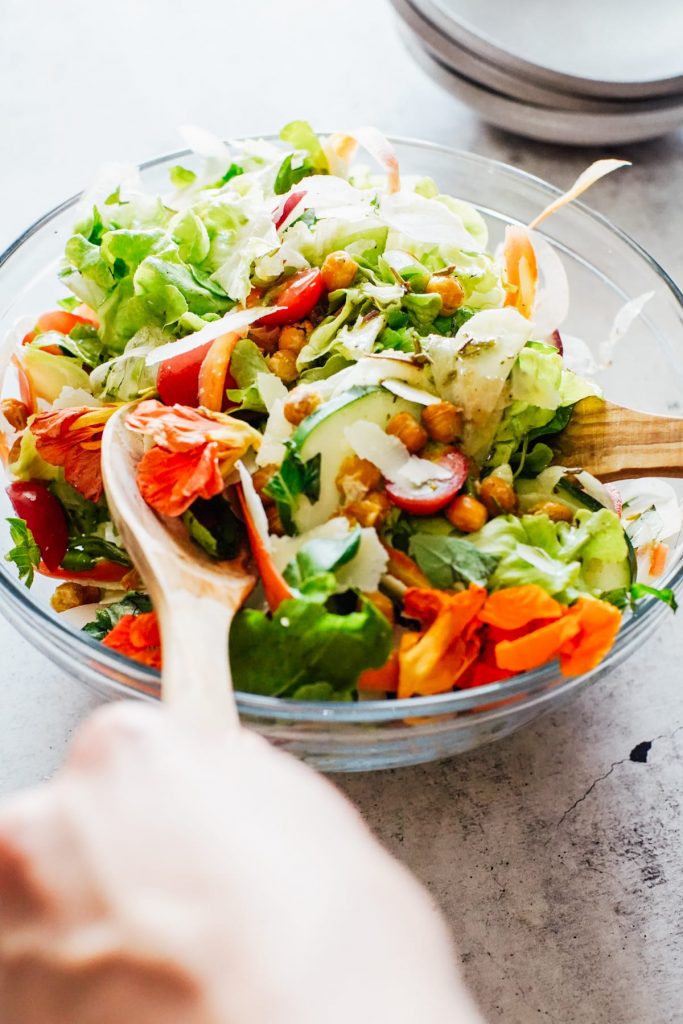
(584, 181)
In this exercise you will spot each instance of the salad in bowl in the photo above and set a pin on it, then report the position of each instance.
(329, 370)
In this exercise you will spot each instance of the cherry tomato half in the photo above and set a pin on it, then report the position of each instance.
(59, 320)
(178, 377)
(44, 516)
(435, 495)
(297, 298)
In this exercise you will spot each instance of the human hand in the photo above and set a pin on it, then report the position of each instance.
(171, 875)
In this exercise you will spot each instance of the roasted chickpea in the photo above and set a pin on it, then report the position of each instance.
(274, 522)
(443, 421)
(450, 290)
(338, 270)
(382, 603)
(498, 496)
(368, 511)
(266, 338)
(73, 595)
(466, 514)
(15, 412)
(292, 339)
(406, 428)
(356, 477)
(283, 364)
(262, 477)
(555, 510)
(301, 403)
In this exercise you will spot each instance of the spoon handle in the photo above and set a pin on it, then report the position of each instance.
(195, 679)
(615, 443)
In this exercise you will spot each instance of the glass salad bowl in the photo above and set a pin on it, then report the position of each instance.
(605, 269)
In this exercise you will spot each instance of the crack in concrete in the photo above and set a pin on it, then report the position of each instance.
(601, 778)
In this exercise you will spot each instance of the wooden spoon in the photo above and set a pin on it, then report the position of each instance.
(615, 443)
(195, 597)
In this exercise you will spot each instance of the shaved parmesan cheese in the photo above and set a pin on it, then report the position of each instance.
(372, 369)
(204, 143)
(278, 431)
(235, 320)
(271, 389)
(254, 504)
(471, 370)
(341, 147)
(362, 572)
(391, 457)
(584, 181)
(411, 394)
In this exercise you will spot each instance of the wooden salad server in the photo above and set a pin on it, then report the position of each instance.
(195, 597)
(615, 443)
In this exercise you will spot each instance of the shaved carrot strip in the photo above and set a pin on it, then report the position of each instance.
(214, 372)
(658, 556)
(518, 606)
(405, 569)
(274, 584)
(521, 270)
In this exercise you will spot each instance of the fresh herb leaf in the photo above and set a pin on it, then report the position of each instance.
(287, 176)
(304, 645)
(214, 527)
(233, 171)
(628, 597)
(83, 552)
(134, 603)
(446, 561)
(25, 554)
(293, 478)
(312, 570)
(181, 176)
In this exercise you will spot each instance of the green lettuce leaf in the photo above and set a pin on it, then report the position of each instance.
(446, 561)
(214, 527)
(303, 644)
(300, 135)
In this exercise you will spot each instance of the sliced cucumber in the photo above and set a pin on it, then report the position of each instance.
(322, 434)
(604, 576)
(573, 494)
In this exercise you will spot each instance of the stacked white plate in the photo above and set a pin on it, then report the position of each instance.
(581, 72)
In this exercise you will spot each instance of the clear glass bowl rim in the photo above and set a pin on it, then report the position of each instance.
(360, 713)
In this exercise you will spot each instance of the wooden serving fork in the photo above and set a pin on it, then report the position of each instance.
(195, 597)
(615, 443)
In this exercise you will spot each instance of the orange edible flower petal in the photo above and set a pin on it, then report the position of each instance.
(137, 636)
(433, 661)
(598, 623)
(537, 647)
(170, 481)
(178, 428)
(518, 606)
(196, 448)
(72, 439)
(382, 680)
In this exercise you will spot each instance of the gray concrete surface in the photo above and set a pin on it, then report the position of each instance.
(556, 857)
